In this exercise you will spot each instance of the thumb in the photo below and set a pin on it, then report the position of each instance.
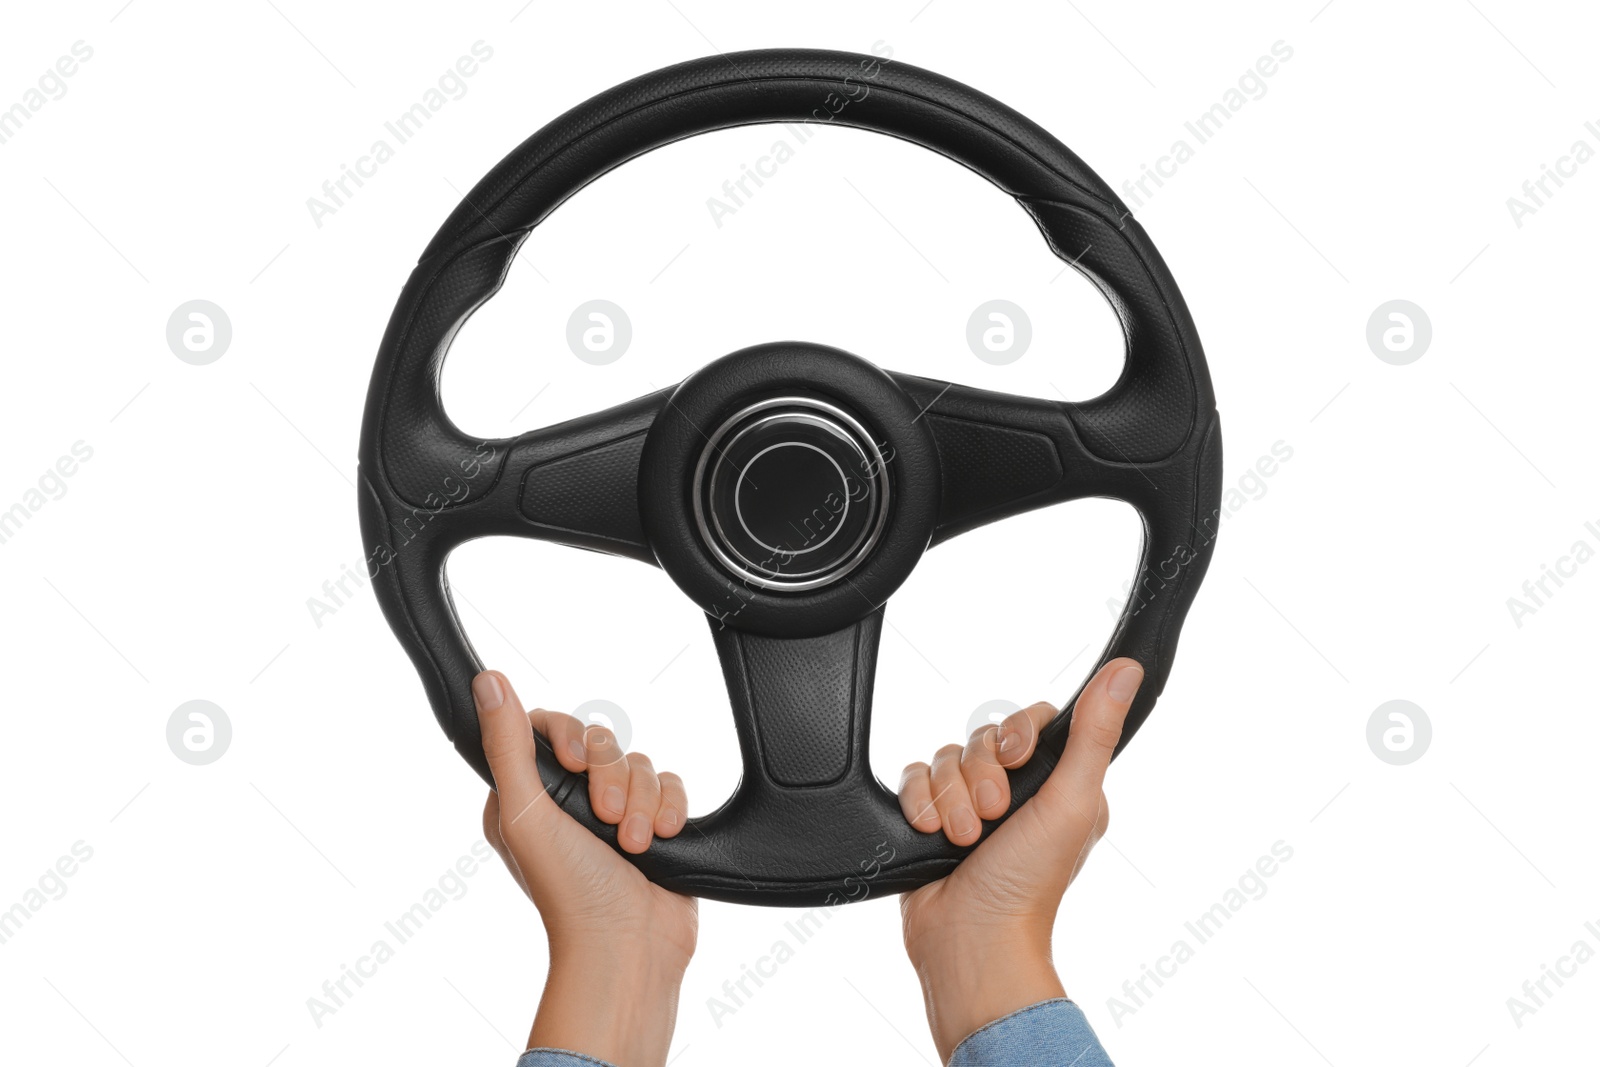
(1072, 792)
(509, 747)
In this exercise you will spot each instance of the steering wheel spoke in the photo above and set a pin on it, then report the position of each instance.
(802, 706)
(574, 483)
(1002, 455)
(809, 824)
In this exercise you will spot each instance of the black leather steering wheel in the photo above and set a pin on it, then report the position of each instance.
(788, 488)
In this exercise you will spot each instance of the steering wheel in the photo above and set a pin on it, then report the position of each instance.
(788, 488)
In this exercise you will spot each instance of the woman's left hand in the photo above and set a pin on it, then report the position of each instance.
(619, 944)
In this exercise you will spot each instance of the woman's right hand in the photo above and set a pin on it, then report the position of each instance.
(980, 937)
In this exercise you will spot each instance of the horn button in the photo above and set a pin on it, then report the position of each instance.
(791, 494)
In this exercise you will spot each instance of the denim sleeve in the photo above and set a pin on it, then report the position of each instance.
(1051, 1033)
(555, 1057)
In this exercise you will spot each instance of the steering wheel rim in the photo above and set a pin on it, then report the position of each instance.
(808, 825)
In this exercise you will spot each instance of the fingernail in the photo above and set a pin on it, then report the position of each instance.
(486, 690)
(1011, 743)
(576, 750)
(614, 800)
(963, 822)
(670, 817)
(637, 829)
(1124, 683)
(988, 795)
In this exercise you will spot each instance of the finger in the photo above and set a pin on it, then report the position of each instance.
(916, 798)
(1096, 728)
(674, 810)
(1019, 733)
(1097, 721)
(952, 798)
(565, 735)
(507, 742)
(986, 780)
(608, 774)
(644, 800)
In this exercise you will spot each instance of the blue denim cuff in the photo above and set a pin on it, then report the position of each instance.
(1051, 1033)
(555, 1057)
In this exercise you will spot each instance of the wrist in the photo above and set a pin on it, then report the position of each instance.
(971, 978)
(617, 1003)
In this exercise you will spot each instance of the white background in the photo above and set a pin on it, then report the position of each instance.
(1375, 564)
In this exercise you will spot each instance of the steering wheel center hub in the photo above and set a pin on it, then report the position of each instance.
(788, 488)
(791, 494)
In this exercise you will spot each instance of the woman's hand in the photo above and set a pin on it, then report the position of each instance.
(980, 938)
(619, 944)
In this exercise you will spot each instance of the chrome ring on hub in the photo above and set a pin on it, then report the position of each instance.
(771, 573)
